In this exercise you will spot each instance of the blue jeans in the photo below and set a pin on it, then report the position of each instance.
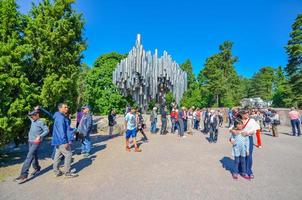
(86, 145)
(180, 127)
(196, 124)
(153, 126)
(249, 158)
(296, 125)
(240, 160)
(31, 158)
(173, 124)
(185, 125)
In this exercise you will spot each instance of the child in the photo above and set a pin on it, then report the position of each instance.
(239, 150)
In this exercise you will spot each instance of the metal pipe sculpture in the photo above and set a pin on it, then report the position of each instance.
(145, 76)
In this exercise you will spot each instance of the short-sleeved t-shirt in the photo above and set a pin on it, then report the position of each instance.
(131, 121)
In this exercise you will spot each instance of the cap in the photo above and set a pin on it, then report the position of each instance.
(34, 112)
(86, 106)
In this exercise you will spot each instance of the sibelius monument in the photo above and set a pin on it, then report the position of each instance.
(145, 76)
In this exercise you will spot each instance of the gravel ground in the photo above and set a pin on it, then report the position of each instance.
(170, 167)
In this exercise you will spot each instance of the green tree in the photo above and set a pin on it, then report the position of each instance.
(218, 79)
(262, 83)
(294, 66)
(17, 94)
(187, 67)
(281, 89)
(102, 93)
(54, 33)
(82, 86)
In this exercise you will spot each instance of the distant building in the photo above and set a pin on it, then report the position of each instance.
(255, 102)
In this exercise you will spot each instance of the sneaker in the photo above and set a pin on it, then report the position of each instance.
(36, 171)
(128, 149)
(58, 174)
(18, 178)
(245, 176)
(260, 147)
(235, 176)
(21, 179)
(138, 150)
(184, 136)
(252, 176)
(71, 175)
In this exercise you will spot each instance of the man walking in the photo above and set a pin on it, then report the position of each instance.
(163, 129)
(153, 119)
(130, 126)
(180, 124)
(85, 128)
(214, 123)
(38, 130)
(61, 140)
(295, 121)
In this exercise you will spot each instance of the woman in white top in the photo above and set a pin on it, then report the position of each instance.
(250, 128)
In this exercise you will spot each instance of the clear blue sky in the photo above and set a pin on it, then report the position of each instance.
(190, 28)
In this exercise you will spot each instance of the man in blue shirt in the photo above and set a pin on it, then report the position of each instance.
(85, 128)
(61, 140)
(38, 130)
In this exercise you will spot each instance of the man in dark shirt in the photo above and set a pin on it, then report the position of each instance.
(163, 129)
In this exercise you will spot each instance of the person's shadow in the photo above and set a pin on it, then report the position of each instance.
(228, 164)
(85, 162)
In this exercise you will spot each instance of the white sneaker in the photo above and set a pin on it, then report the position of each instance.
(184, 136)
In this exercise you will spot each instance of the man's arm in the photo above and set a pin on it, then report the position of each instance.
(45, 130)
(30, 118)
(47, 112)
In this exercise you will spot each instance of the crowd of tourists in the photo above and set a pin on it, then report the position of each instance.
(242, 125)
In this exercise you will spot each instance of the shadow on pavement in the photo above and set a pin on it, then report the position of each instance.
(85, 162)
(103, 138)
(286, 134)
(227, 163)
(13, 156)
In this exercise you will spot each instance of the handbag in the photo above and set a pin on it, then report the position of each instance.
(276, 122)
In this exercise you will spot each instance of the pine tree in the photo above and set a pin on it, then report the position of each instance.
(261, 84)
(102, 93)
(281, 90)
(17, 94)
(187, 67)
(294, 66)
(219, 79)
(54, 34)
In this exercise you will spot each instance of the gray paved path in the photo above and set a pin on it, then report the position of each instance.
(171, 168)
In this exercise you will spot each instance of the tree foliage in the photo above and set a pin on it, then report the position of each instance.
(40, 60)
(281, 90)
(101, 92)
(218, 76)
(54, 33)
(261, 84)
(17, 94)
(187, 67)
(294, 66)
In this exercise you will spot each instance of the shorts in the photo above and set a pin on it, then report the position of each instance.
(131, 133)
